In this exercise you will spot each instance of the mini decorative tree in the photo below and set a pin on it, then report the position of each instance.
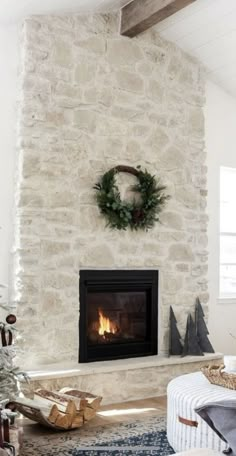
(175, 345)
(201, 329)
(191, 345)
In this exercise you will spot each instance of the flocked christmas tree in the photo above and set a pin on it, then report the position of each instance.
(8, 373)
(201, 329)
(175, 345)
(191, 345)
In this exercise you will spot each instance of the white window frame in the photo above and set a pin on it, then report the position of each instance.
(229, 298)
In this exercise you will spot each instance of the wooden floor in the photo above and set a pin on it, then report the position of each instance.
(127, 411)
(115, 413)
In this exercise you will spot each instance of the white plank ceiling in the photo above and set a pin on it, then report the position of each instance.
(205, 29)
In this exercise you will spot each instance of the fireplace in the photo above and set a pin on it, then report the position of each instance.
(118, 314)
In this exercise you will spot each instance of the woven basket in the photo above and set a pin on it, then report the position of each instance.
(216, 376)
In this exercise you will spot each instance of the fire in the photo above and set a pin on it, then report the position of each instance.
(105, 325)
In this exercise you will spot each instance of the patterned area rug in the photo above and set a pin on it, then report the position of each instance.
(138, 438)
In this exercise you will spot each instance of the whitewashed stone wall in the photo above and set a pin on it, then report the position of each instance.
(90, 100)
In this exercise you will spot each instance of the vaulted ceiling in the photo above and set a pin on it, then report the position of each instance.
(205, 29)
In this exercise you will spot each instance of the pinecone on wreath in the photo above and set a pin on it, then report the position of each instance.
(138, 215)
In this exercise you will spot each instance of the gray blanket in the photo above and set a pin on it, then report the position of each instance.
(221, 417)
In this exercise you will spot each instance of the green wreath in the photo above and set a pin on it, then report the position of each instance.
(122, 214)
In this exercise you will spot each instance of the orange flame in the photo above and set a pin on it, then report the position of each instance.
(105, 325)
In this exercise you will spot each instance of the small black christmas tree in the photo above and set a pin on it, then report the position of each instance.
(191, 345)
(201, 329)
(175, 346)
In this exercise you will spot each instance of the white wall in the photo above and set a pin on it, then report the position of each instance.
(220, 121)
(8, 90)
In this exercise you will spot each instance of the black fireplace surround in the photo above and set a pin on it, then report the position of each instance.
(118, 314)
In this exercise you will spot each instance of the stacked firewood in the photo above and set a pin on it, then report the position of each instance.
(64, 409)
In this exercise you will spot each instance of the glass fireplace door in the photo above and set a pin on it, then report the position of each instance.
(118, 314)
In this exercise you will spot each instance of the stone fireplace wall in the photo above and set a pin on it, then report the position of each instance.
(90, 100)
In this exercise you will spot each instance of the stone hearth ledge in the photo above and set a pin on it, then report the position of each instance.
(68, 370)
(120, 380)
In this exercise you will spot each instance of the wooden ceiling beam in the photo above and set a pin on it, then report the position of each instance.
(139, 15)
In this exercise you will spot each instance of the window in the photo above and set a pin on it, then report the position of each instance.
(228, 233)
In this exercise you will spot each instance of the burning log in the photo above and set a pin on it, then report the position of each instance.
(106, 326)
(112, 337)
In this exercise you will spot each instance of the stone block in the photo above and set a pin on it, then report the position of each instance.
(172, 158)
(172, 220)
(145, 68)
(53, 248)
(85, 120)
(29, 285)
(110, 146)
(172, 283)
(123, 52)
(67, 90)
(111, 127)
(97, 254)
(139, 130)
(133, 150)
(84, 73)
(127, 113)
(188, 196)
(129, 81)
(158, 140)
(106, 97)
(35, 84)
(90, 95)
(182, 267)
(62, 53)
(31, 165)
(94, 44)
(59, 280)
(181, 252)
(51, 302)
(28, 199)
(61, 199)
(155, 90)
(196, 122)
